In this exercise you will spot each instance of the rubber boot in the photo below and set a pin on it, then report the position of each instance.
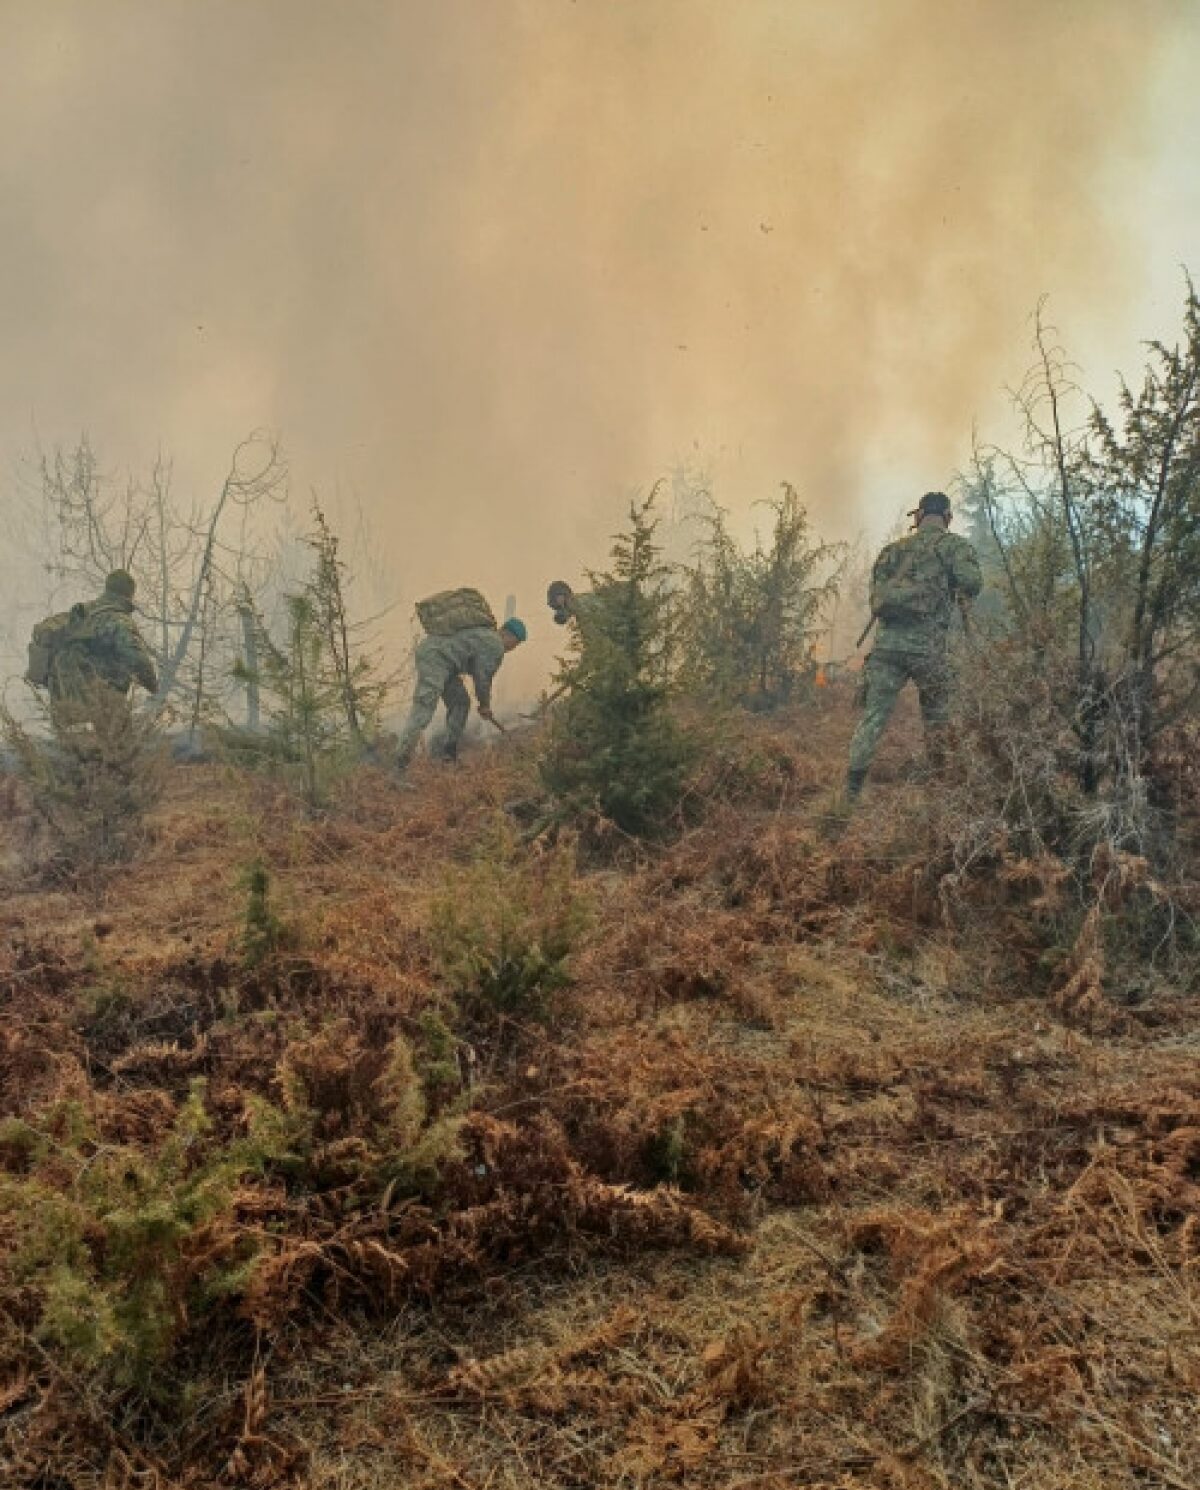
(854, 784)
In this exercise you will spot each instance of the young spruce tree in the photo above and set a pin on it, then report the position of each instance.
(322, 690)
(751, 618)
(353, 669)
(614, 748)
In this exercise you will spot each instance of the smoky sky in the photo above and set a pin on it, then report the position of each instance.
(488, 266)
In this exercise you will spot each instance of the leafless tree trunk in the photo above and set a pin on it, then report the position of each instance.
(250, 658)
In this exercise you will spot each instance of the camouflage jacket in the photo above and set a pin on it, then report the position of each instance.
(476, 652)
(936, 568)
(595, 611)
(586, 611)
(110, 651)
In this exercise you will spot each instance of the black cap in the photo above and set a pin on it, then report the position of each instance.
(120, 583)
(932, 504)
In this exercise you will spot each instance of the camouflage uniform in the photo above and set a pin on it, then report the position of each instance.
(108, 655)
(943, 566)
(587, 611)
(584, 609)
(441, 663)
(594, 613)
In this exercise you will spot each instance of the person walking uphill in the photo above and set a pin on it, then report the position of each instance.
(462, 640)
(94, 651)
(916, 585)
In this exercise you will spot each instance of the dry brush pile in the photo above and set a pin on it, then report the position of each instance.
(390, 1146)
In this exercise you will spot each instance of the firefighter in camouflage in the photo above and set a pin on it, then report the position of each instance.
(442, 662)
(916, 585)
(102, 652)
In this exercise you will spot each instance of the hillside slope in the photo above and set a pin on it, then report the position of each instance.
(820, 1170)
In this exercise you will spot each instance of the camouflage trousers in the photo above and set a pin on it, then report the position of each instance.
(76, 680)
(435, 680)
(80, 700)
(885, 675)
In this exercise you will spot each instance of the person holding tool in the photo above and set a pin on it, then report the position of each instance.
(461, 640)
(916, 584)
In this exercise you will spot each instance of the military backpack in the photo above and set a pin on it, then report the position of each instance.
(454, 610)
(49, 638)
(911, 584)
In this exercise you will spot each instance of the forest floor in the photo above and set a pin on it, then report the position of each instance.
(825, 1169)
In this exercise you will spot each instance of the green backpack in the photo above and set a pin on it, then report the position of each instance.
(48, 639)
(912, 586)
(454, 610)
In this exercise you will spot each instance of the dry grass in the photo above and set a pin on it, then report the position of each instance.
(810, 1182)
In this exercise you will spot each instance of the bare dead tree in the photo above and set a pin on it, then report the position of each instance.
(1093, 535)
(1054, 530)
(199, 685)
(257, 472)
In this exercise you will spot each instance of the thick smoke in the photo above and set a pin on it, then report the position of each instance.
(490, 266)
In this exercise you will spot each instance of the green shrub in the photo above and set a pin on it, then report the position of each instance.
(437, 1060)
(667, 1150)
(263, 933)
(109, 1236)
(94, 774)
(750, 619)
(504, 930)
(356, 1113)
(126, 1249)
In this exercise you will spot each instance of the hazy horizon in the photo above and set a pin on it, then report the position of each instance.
(488, 269)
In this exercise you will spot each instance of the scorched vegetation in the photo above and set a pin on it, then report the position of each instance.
(393, 1147)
